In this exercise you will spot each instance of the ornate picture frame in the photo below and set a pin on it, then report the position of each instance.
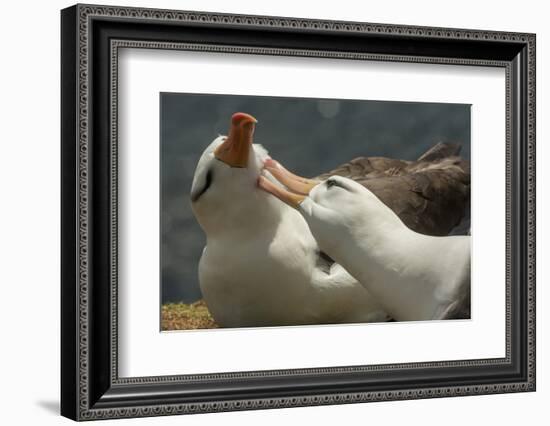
(91, 37)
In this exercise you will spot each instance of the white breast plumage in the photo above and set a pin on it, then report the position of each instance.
(261, 265)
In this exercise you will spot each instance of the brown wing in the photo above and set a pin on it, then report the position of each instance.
(431, 195)
(367, 168)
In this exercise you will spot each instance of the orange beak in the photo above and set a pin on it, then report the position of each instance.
(292, 199)
(295, 183)
(235, 150)
(299, 186)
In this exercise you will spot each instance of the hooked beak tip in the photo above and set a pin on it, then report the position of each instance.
(270, 163)
(242, 117)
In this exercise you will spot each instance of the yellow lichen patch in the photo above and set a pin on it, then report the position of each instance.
(182, 316)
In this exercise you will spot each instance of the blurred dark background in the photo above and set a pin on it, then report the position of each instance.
(309, 136)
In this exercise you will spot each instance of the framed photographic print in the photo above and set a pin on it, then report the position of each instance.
(263, 212)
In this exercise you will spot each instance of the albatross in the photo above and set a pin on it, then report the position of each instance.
(261, 265)
(413, 276)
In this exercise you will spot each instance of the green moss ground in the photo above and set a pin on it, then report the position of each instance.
(182, 316)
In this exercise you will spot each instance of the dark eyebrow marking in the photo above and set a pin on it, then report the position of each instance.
(198, 194)
(331, 182)
(334, 182)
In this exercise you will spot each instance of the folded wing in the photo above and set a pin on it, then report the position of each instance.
(431, 195)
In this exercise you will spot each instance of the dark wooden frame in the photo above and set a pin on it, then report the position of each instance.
(90, 386)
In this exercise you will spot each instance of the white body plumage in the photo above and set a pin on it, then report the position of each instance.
(413, 276)
(260, 264)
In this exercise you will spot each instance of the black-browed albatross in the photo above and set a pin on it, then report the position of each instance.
(262, 267)
(413, 276)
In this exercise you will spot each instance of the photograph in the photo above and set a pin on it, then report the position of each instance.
(264, 209)
(286, 211)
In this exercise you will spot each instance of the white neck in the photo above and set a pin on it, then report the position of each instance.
(238, 217)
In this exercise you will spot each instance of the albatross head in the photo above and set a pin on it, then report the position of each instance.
(335, 209)
(224, 195)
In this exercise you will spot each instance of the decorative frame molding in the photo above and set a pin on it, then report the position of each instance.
(91, 37)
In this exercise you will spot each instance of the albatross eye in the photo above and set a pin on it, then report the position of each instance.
(331, 183)
(338, 183)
